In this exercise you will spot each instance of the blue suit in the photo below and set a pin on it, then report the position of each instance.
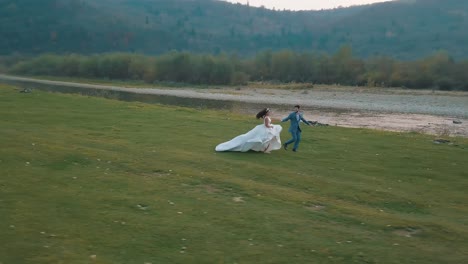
(295, 128)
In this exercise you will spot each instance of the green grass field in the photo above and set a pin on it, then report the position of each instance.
(91, 180)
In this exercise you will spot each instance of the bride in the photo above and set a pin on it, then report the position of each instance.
(264, 137)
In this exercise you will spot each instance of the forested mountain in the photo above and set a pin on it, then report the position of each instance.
(405, 29)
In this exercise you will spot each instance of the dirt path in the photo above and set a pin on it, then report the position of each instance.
(390, 109)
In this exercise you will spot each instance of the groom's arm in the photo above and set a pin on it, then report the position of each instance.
(305, 121)
(286, 118)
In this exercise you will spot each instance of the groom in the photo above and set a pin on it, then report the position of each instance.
(295, 130)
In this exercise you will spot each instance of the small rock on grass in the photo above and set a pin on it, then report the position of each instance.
(238, 199)
(441, 141)
(142, 206)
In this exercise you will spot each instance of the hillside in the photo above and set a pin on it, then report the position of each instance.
(402, 29)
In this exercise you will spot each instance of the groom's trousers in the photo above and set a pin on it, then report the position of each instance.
(296, 138)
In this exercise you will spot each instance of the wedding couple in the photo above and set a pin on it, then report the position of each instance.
(266, 137)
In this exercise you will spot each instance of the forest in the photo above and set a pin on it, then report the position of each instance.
(405, 43)
(404, 29)
(438, 71)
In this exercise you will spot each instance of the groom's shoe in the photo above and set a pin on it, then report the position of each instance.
(295, 150)
(285, 147)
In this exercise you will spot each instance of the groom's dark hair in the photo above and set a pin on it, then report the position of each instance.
(298, 106)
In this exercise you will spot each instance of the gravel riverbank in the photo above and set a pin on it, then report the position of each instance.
(430, 112)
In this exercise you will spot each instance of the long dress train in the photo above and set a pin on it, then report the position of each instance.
(260, 138)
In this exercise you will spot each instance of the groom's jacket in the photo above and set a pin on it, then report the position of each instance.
(295, 121)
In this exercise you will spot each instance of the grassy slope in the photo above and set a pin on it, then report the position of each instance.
(76, 169)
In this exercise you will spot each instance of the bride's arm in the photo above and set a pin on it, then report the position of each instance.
(267, 122)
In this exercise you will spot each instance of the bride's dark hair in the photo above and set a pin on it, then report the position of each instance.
(262, 113)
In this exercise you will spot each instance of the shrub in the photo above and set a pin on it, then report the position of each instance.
(445, 84)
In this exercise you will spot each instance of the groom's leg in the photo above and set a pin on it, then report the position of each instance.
(291, 140)
(298, 139)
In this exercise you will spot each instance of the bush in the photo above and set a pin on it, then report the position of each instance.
(239, 78)
(445, 84)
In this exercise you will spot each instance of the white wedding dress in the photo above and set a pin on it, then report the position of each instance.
(260, 138)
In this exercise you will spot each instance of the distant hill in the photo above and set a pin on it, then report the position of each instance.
(405, 29)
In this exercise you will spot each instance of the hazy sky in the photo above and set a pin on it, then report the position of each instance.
(305, 4)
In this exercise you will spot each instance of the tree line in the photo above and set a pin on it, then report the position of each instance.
(438, 71)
